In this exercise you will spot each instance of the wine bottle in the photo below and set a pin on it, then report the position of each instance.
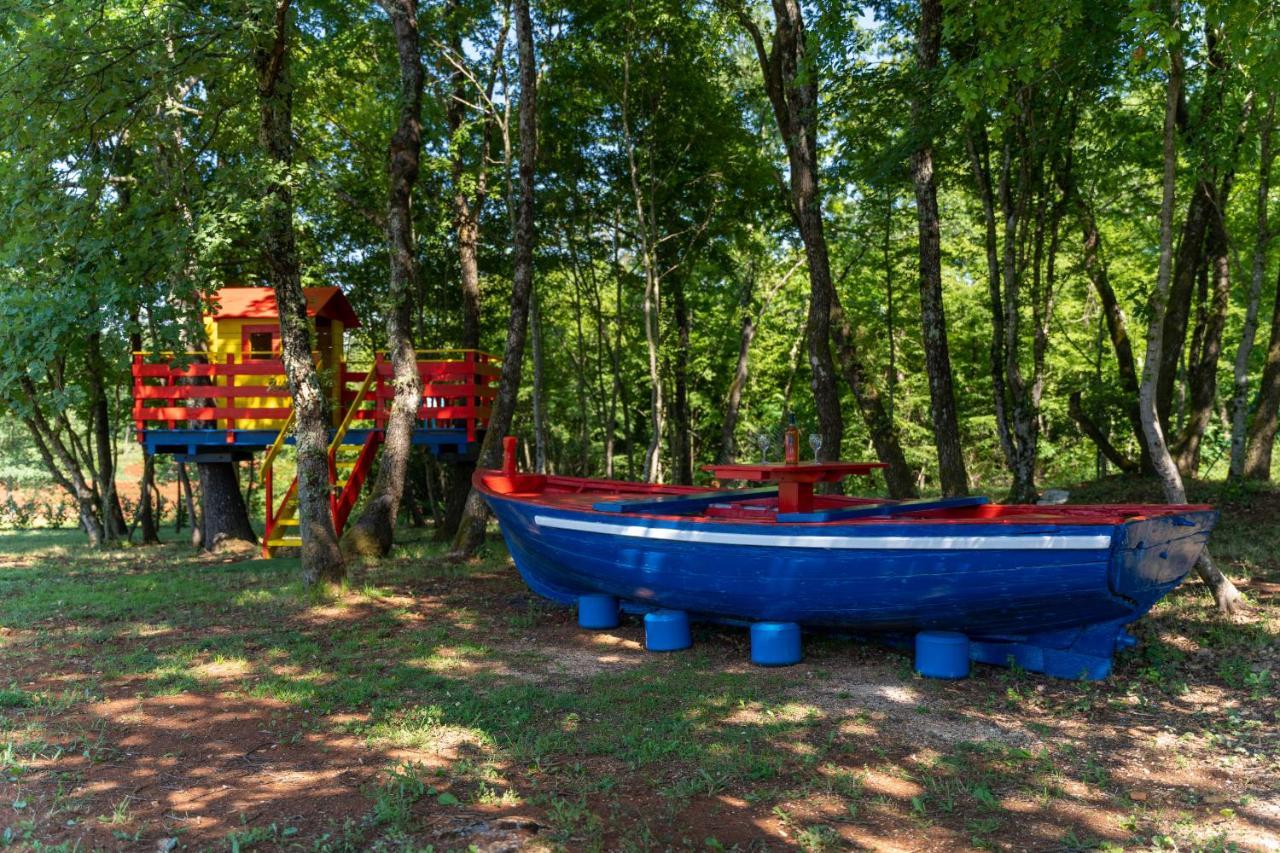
(791, 442)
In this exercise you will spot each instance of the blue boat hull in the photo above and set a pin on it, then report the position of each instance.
(1050, 598)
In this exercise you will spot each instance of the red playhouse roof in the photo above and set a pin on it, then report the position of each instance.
(259, 303)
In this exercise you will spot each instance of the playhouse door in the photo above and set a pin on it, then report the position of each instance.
(261, 342)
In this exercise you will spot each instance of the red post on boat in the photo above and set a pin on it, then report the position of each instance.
(509, 455)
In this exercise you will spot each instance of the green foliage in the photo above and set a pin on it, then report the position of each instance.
(131, 186)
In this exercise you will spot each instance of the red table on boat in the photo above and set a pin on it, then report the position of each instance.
(795, 482)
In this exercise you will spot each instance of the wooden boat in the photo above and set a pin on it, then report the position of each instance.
(1048, 588)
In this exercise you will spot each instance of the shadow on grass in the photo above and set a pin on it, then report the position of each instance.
(436, 703)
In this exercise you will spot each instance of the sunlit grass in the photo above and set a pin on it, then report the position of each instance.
(430, 658)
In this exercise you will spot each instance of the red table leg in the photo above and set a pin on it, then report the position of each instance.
(795, 497)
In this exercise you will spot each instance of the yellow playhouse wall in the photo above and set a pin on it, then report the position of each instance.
(225, 338)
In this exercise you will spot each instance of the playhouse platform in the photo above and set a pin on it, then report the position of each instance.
(449, 444)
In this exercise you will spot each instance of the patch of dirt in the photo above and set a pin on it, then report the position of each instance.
(868, 756)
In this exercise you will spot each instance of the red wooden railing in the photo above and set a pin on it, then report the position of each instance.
(459, 387)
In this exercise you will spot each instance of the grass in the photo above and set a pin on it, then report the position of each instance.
(438, 705)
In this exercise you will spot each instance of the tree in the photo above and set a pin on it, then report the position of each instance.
(374, 530)
(790, 81)
(1224, 592)
(471, 530)
(470, 163)
(1258, 270)
(1262, 429)
(946, 429)
(321, 557)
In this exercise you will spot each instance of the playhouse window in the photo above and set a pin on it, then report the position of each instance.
(261, 345)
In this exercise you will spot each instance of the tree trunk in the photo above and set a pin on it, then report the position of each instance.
(651, 310)
(898, 477)
(980, 160)
(374, 532)
(580, 368)
(1023, 420)
(651, 304)
(681, 449)
(1095, 434)
(791, 82)
(733, 400)
(471, 528)
(1202, 367)
(467, 209)
(146, 502)
(1224, 592)
(1262, 431)
(946, 428)
(230, 519)
(466, 218)
(1191, 246)
(1096, 269)
(539, 388)
(224, 516)
(321, 556)
(197, 524)
(457, 490)
(1190, 258)
(112, 514)
(431, 477)
(1248, 334)
(147, 507)
(179, 512)
(60, 462)
(750, 323)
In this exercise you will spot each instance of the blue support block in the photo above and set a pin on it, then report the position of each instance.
(775, 643)
(597, 612)
(1075, 653)
(667, 631)
(942, 654)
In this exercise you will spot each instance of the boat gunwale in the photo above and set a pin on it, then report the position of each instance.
(1040, 517)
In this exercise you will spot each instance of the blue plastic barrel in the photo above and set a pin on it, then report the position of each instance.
(597, 612)
(667, 631)
(942, 654)
(775, 643)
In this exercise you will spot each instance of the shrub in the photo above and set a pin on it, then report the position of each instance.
(18, 514)
(128, 506)
(56, 513)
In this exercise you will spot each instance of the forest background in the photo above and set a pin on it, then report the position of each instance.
(937, 233)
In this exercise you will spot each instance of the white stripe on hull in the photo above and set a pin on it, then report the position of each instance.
(1010, 542)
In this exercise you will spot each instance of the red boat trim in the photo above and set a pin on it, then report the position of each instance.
(577, 494)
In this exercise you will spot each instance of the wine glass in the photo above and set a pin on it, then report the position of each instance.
(815, 441)
(763, 441)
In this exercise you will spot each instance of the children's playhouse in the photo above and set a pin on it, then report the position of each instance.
(232, 400)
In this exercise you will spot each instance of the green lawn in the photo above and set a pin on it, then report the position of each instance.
(151, 696)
